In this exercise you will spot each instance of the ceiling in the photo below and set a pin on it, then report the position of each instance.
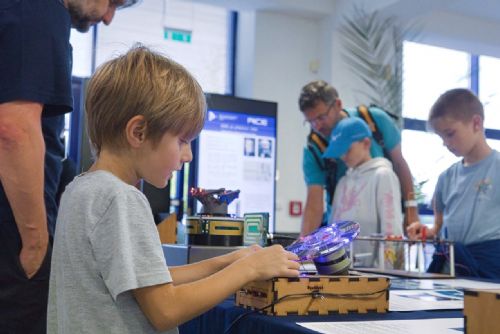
(481, 9)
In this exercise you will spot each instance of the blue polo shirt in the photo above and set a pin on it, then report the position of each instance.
(469, 198)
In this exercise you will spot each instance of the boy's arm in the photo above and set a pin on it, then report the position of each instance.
(196, 271)
(168, 305)
(416, 230)
(438, 219)
(403, 172)
(438, 223)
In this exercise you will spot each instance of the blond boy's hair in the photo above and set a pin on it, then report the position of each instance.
(459, 104)
(142, 82)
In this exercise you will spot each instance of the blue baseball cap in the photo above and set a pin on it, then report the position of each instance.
(348, 131)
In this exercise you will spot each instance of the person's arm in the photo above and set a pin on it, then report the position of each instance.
(168, 305)
(315, 179)
(198, 270)
(438, 223)
(313, 210)
(433, 232)
(402, 170)
(417, 230)
(22, 151)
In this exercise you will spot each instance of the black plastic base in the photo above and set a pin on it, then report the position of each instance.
(214, 240)
(336, 263)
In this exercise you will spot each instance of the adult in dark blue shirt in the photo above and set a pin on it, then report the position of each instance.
(35, 92)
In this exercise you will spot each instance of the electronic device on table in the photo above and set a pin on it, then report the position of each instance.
(256, 228)
(326, 247)
(213, 226)
(334, 289)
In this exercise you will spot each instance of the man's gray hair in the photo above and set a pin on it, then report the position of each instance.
(128, 3)
(316, 91)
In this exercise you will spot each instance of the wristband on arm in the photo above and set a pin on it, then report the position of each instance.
(410, 203)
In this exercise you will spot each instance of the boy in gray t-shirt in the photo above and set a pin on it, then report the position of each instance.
(108, 270)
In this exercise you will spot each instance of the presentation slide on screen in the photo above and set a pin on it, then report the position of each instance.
(238, 152)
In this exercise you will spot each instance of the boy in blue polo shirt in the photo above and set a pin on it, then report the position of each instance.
(467, 196)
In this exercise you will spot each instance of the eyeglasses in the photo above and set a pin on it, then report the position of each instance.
(120, 4)
(321, 117)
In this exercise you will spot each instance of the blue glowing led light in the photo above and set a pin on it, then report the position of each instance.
(325, 240)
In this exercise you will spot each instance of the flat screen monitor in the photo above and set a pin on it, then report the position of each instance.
(236, 150)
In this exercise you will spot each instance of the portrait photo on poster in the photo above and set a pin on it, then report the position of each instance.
(249, 147)
(265, 148)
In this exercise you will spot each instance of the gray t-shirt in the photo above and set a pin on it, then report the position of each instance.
(106, 245)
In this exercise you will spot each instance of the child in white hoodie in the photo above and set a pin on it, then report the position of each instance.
(369, 193)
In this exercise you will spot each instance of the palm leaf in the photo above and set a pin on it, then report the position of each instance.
(373, 49)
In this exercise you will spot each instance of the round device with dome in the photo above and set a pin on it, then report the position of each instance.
(326, 247)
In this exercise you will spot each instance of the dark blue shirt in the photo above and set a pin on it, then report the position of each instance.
(35, 65)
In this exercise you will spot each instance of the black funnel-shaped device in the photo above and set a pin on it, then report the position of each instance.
(214, 202)
(213, 226)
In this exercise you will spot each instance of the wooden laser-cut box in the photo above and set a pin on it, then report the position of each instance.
(481, 311)
(317, 295)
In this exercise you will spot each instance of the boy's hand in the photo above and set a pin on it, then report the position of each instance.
(273, 261)
(241, 253)
(413, 231)
(418, 231)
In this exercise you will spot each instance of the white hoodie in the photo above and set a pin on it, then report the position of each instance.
(370, 195)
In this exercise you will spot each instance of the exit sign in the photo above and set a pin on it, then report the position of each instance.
(177, 35)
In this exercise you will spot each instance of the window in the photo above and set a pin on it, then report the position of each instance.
(427, 159)
(489, 92)
(428, 71)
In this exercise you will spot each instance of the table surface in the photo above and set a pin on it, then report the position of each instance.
(218, 320)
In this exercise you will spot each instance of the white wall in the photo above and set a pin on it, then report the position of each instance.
(470, 34)
(205, 56)
(274, 55)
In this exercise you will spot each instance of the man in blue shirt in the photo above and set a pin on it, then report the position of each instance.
(35, 92)
(322, 109)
